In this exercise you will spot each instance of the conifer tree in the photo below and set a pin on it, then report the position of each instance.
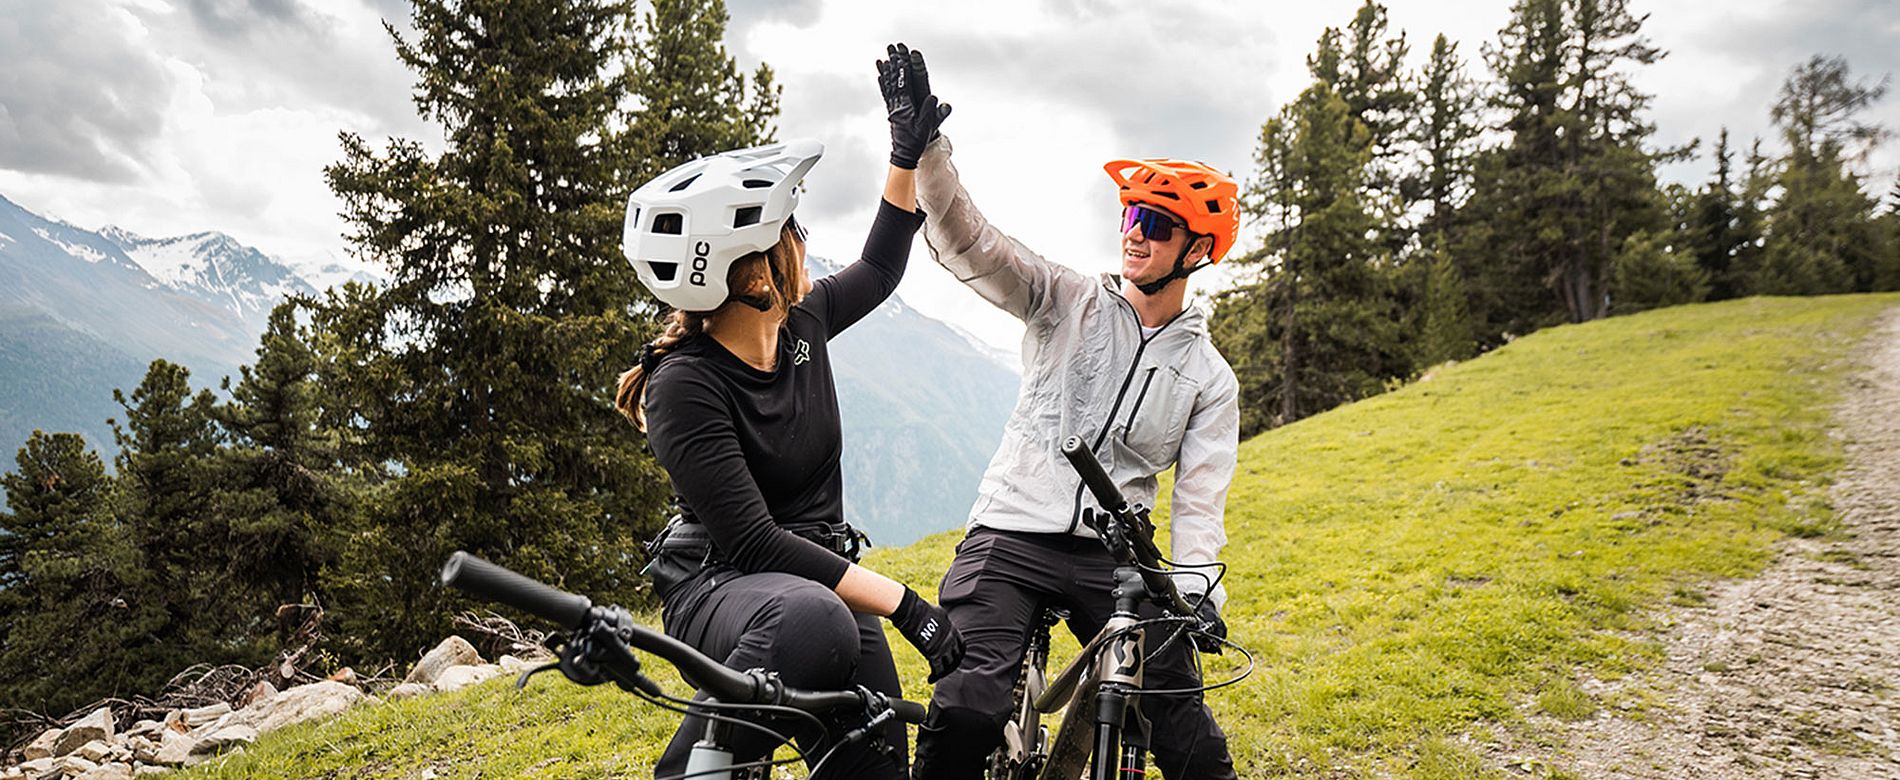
(1445, 327)
(484, 372)
(692, 99)
(1821, 235)
(282, 489)
(1709, 230)
(1554, 205)
(1447, 131)
(77, 613)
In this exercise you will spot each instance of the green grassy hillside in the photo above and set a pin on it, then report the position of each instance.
(1409, 569)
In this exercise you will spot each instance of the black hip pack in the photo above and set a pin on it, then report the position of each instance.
(683, 548)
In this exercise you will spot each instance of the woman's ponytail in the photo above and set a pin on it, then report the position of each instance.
(631, 397)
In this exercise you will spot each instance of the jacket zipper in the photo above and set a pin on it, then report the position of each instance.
(1075, 517)
(1139, 397)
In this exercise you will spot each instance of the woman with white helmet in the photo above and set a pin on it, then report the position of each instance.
(737, 400)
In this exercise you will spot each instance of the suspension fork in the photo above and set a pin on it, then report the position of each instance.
(1120, 660)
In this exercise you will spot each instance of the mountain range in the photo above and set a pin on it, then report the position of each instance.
(83, 312)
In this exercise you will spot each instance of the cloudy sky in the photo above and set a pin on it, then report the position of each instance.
(172, 116)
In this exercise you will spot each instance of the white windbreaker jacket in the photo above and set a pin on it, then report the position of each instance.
(1142, 404)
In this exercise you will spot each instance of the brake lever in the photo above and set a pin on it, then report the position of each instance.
(522, 682)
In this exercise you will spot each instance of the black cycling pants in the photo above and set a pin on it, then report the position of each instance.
(994, 590)
(798, 628)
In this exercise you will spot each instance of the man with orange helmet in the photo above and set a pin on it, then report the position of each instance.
(1126, 363)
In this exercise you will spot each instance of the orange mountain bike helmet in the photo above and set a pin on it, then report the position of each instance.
(1206, 198)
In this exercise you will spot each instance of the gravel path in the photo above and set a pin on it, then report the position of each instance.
(1793, 674)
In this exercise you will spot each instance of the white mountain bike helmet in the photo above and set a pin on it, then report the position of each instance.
(686, 228)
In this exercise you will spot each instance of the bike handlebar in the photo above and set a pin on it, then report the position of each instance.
(1141, 550)
(488, 581)
(496, 583)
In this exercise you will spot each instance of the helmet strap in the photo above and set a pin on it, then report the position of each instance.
(1181, 271)
(755, 301)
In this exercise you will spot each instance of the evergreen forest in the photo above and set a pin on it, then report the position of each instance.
(1405, 217)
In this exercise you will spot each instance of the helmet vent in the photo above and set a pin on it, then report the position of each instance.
(747, 215)
(669, 224)
(1199, 185)
(755, 184)
(684, 183)
(1213, 207)
(663, 271)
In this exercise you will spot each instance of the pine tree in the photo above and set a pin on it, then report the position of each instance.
(1575, 180)
(169, 491)
(1710, 231)
(692, 98)
(283, 491)
(1887, 276)
(484, 372)
(1445, 325)
(1821, 234)
(1364, 64)
(1447, 132)
(76, 612)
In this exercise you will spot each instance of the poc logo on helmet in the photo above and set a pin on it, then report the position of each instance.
(700, 251)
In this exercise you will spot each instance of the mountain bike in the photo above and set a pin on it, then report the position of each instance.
(1098, 688)
(597, 645)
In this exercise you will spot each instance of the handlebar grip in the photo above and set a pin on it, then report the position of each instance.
(1109, 496)
(476, 577)
(908, 711)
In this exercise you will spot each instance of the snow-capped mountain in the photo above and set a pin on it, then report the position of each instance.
(213, 268)
(83, 312)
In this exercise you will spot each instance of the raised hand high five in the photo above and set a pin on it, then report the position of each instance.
(913, 112)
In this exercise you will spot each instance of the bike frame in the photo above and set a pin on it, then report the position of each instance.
(1106, 676)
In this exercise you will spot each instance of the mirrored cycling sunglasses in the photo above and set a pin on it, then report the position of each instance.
(1155, 225)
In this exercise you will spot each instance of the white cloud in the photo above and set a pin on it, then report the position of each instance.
(168, 116)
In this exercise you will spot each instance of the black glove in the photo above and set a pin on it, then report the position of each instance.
(1213, 629)
(929, 630)
(914, 113)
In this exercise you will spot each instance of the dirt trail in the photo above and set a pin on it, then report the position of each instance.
(1793, 674)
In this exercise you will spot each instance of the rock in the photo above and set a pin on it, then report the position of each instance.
(112, 771)
(173, 749)
(40, 768)
(194, 718)
(97, 725)
(227, 738)
(74, 765)
(407, 690)
(513, 665)
(42, 746)
(304, 702)
(262, 691)
(456, 678)
(345, 675)
(143, 748)
(147, 770)
(144, 728)
(453, 651)
(94, 751)
(212, 728)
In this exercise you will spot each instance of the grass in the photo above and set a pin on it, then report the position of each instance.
(1408, 569)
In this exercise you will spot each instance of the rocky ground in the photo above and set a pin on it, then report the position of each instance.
(1792, 674)
(96, 747)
